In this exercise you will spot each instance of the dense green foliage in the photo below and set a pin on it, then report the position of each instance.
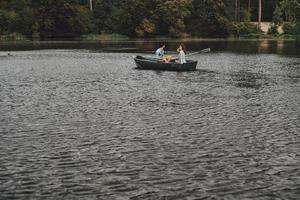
(289, 28)
(273, 30)
(245, 29)
(44, 18)
(144, 18)
(287, 14)
(297, 31)
(209, 18)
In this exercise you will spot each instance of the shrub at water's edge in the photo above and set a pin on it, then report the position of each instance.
(13, 37)
(104, 37)
(245, 29)
(289, 28)
(273, 30)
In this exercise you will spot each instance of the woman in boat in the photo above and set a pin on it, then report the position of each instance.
(160, 53)
(181, 56)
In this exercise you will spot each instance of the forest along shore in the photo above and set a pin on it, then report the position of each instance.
(108, 20)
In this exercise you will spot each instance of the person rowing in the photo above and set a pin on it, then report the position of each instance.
(160, 54)
(181, 56)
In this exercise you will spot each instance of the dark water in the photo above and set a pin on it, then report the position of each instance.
(82, 124)
(282, 47)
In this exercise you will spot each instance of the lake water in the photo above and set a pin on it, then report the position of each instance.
(281, 47)
(78, 122)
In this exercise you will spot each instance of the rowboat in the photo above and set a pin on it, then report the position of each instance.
(156, 64)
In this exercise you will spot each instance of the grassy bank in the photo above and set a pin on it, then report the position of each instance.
(117, 37)
(17, 37)
(264, 36)
(104, 37)
(13, 37)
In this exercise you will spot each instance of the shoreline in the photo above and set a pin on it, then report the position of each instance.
(113, 37)
(66, 40)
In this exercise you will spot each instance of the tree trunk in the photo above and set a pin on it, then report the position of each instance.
(259, 14)
(236, 10)
(91, 5)
(239, 10)
(249, 6)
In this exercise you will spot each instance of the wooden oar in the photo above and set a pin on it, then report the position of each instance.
(202, 51)
(190, 54)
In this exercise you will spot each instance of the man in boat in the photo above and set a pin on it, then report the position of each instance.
(160, 53)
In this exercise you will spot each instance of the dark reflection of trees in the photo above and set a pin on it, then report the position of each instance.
(245, 79)
(238, 46)
(146, 46)
(284, 47)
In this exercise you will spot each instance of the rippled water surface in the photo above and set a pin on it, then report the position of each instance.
(79, 124)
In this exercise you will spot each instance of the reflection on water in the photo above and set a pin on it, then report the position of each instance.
(285, 47)
(247, 79)
(79, 124)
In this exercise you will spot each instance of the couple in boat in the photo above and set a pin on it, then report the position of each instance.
(160, 53)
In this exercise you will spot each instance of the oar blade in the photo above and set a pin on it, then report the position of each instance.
(205, 50)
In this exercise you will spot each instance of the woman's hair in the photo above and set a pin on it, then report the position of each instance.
(161, 45)
(183, 47)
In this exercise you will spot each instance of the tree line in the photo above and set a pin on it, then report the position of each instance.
(143, 18)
